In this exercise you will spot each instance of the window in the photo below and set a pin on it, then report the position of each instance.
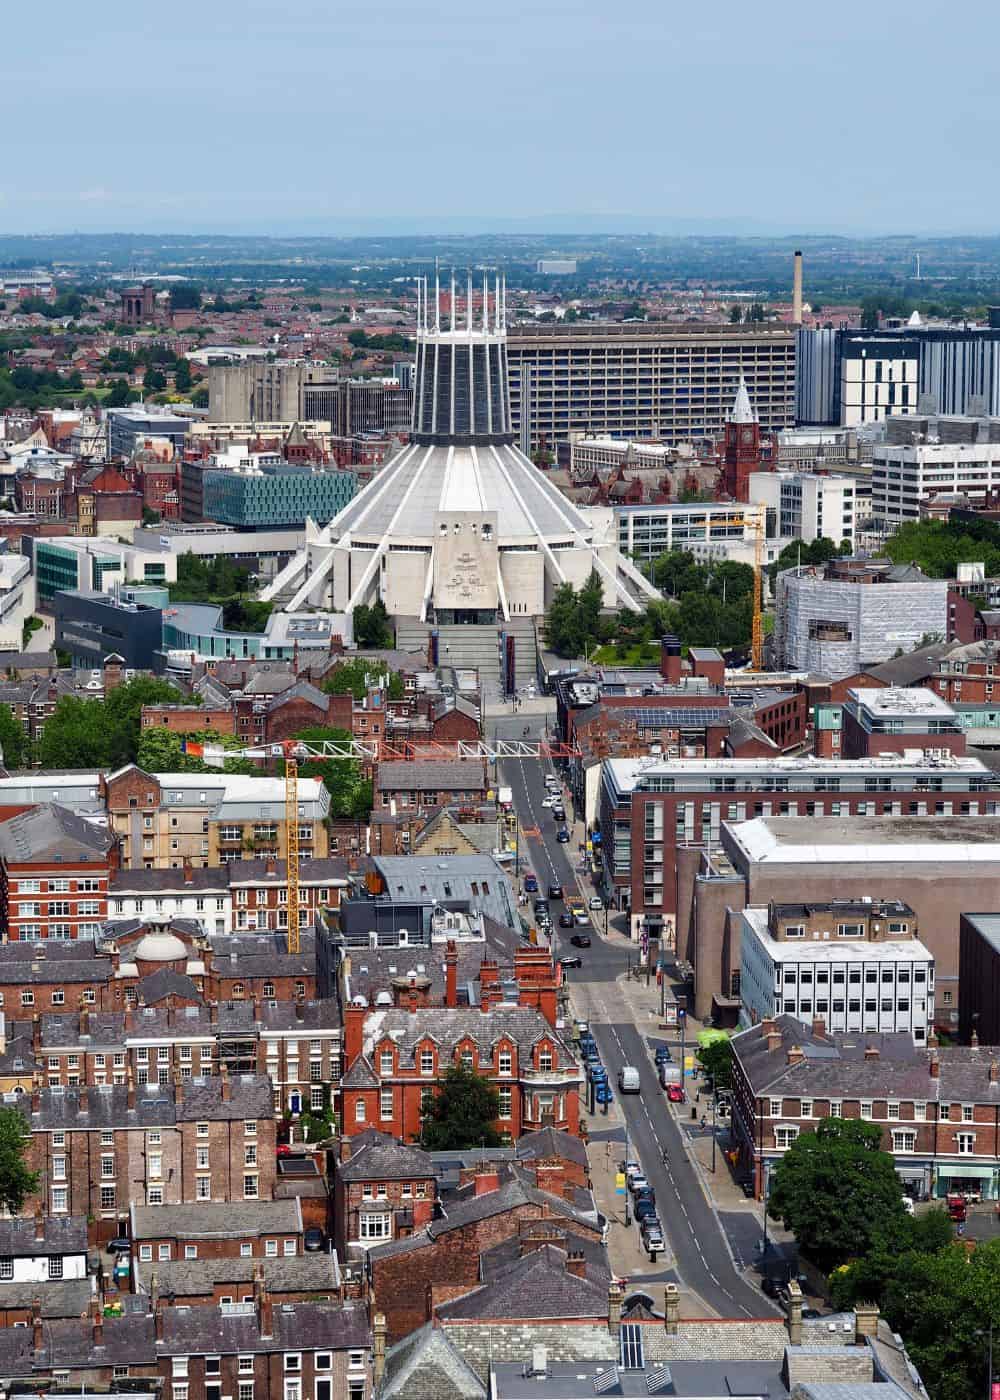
(293, 1362)
(245, 1365)
(323, 1360)
(246, 1251)
(966, 1143)
(836, 1108)
(163, 1251)
(385, 1103)
(55, 1266)
(944, 1112)
(107, 1198)
(201, 1130)
(774, 1107)
(60, 1200)
(375, 1227)
(250, 1187)
(271, 1249)
(108, 1167)
(427, 1062)
(385, 1062)
(288, 1248)
(504, 1093)
(920, 1111)
(59, 1168)
(250, 1155)
(6, 1267)
(866, 1108)
(904, 1140)
(892, 1110)
(785, 1136)
(360, 1111)
(545, 1061)
(180, 1367)
(201, 1157)
(806, 1109)
(145, 1253)
(155, 1164)
(154, 1195)
(505, 1062)
(190, 1251)
(968, 1113)
(203, 1188)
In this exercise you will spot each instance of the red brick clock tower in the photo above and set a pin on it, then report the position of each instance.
(741, 452)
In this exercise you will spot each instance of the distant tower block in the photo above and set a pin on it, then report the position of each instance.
(797, 289)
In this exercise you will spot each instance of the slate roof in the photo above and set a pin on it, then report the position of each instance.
(63, 1234)
(449, 775)
(311, 868)
(264, 954)
(551, 1142)
(297, 1327)
(536, 1285)
(191, 881)
(300, 1273)
(301, 690)
(106, 1106)
(50, 832)
(379, 1157)
(360, 1075)
(69, 1343)
(165, 982)
(425, 1366)
(446, 1026)
(216, 1220)
(68, 1297)
(835, 1066)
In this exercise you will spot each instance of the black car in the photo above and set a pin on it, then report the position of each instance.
(579, 940)
(541, 906)
(121, 1244)
(772, 1287)
(566, 921)
(555, 891)
(646, 1193)
(559, 812)
(570, 962)
(644, 1208)
(313, 1239)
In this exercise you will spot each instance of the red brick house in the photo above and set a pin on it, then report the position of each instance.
(394, 1059)
(383, 1190)
(54, 870)
(210, 1230)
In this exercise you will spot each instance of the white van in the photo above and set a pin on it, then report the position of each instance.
(628, 1080)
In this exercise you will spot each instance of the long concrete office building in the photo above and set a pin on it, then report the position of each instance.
(642, 380)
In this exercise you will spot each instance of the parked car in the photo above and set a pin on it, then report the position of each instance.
(653, 1241)
(562, 835)
(596, 902)
(313, 1239)
(559, 812)
(570, 962)
(772, 1287)
(646, 1193)
(550, 800)
(565, 920)
(644, 1208)
(531, 884)
(580, 940)
(651, 1225)
(637, 1182)
(582, 918)
(675, 1093)
(555, 890)
(596, 1070)
(603, 1094)
(631, 1169)
(662, 1054)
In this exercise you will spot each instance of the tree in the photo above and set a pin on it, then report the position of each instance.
(182, 376)
(75, 735)
(715, 1055)
(184, 297)
(162, 751)
(119, 395)
(14, 743)
(351, 794)
(372, 627)
(462, 1113)
(16, 1181)
(154, 381)
(835, 1189)
(353, 676)
(123, 713)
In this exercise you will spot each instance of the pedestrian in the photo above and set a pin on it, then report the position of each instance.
(703, 1120)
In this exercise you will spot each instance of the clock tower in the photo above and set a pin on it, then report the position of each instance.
(741, 451)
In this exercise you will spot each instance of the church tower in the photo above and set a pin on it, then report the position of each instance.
(741, 450)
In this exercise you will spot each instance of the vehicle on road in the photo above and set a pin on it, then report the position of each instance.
(580, 940)
(531, 884)
(957, 1208)
(675, 1093)
(559, 811)
(644, 1209)
(631, 1169)
(646, 1193)
(653, 1242)
(555, 890)
(603, 1094)
(570, 962)
(628, 1079)
(662, 1054)
(582, 918)
(598, 1074)
(551, 782)
(562, 835)
(596, 902)
(651, 1225)
(637, 1182)
(565, 919)
(772, 1287)
(669, 1072)
(550, 800)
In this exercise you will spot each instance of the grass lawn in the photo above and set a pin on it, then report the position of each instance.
(636, 655)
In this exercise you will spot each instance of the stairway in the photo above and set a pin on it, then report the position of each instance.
(475, 646)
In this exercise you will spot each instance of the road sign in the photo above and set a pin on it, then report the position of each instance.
(620, 1183)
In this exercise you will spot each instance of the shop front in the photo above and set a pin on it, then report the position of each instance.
(976, 1183)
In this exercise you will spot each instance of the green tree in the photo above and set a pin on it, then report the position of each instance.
(184, 297)
(122, 711)
(162, 751)
(14, 743)
(715, 1055)
(561, 632)
(353, 676)
(835, 1189)
(17, 1182)
(462, 1113)
(119, 395)
(76, 735)
(351, 793)
(154, 381)
(182, 376)
(372, 627)
(867, 1277)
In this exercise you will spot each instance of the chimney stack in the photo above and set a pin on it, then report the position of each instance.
(819, 1028)
(794, 1314)
(872, 1052)
(178, 1088)
(615, 1296)
(98, 1323)
(865, 1321)
(36, 1324)
(795, 1055)
(226, 1088)
(39, 1224)
(670, 658)
(487, 1179)
(451, 973)
(994, 1072)
(378, 1348)
(130, 1091)
(671, 1308)
(797, 289)
(934, 1066)
(265, 1308)
(158, 1319)
(576, 1263)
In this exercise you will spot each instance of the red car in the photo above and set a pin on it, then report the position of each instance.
(282, 1150)
(675, 1093)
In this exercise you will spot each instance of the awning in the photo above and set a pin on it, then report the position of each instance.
(959, 1171)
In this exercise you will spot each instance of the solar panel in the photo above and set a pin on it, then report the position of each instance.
(606, 1381)
(657, 1378)
(632, 1358)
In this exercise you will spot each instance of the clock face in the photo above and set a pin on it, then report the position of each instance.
(748, 435)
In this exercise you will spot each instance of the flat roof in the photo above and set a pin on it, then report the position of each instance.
(896, 701)
(825, 840)
(626, 770)
(835, 949)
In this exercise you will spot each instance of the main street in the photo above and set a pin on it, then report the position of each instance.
(695, 1234)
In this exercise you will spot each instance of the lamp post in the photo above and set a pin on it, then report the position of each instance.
(714, 1101)
(628, 1218)
(763, 1219)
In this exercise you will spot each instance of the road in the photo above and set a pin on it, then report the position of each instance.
(695, 1233)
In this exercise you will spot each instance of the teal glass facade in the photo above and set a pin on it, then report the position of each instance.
(275, 496)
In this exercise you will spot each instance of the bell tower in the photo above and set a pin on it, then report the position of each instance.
(741, 450)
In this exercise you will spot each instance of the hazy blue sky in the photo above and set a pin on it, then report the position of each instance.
(326, 117)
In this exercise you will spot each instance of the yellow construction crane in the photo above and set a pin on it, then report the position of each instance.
(755, 519)
(292, 842)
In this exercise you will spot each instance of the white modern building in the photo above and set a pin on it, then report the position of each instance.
(854, 966)
(459, 529)
(808, 505)
(17, 599)
(707, 530)
(906, 474)
(834, 619)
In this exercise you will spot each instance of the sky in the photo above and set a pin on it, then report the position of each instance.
(328, 117)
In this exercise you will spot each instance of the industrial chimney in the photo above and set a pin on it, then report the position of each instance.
(797, 289)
